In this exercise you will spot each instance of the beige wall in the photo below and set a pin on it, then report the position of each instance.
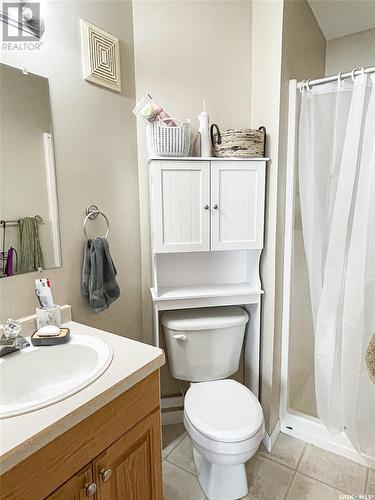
(287, 43)
(351, 51)
(265, 105)
(303, 57)
(186, 51)
(96, 162)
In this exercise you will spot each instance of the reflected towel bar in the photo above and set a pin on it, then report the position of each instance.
(38, 218)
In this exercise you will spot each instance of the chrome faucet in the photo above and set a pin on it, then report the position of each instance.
(12, 340)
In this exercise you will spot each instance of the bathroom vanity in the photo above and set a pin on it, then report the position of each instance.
(102, 442)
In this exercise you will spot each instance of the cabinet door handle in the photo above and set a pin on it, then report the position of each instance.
(216, 206)
(90, 489)
(206, 207)
(106, 474)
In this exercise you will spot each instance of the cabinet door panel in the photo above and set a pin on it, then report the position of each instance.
(237, 200)
(180, 191)
(135, 464)
(74, 489)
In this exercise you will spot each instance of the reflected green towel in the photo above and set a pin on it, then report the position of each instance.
(31, 256)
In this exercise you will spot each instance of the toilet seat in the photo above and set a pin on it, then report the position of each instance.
(223, 410)
(223, 448)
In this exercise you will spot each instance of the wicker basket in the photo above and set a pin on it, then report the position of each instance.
(238, 143)
(163, 140)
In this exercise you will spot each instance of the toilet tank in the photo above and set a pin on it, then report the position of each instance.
(204, 344)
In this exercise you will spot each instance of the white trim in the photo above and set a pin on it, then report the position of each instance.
(269, 440)
(53, 209)
(288, 247)
(311, 430)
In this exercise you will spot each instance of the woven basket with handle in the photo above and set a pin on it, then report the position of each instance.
(238, 143)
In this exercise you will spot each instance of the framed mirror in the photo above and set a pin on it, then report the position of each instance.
(29, 217)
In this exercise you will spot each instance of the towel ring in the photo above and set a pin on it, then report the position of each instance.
(92, 211)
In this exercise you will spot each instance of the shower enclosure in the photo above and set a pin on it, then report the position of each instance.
(327, 394)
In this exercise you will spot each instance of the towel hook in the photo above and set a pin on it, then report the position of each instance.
(92, 212)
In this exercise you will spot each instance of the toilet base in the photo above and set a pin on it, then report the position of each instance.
(220, 482)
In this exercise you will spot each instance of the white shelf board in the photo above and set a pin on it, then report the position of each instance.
(203, 291)
(202, 158)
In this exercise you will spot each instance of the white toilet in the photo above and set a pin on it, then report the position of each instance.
(223, 417)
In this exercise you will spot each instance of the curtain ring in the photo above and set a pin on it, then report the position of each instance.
(339, 81)
(308, 85)
(302, 86)
(352, 75)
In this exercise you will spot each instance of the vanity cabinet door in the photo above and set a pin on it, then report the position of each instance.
(237, 202)
(180, 206)
(79, 487)
(131, 468)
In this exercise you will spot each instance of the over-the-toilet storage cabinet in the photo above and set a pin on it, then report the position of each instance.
(207, 218)
(207, 205)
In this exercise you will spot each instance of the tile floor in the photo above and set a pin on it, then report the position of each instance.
(293, 471)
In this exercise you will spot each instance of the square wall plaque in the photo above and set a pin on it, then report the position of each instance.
(101, 56)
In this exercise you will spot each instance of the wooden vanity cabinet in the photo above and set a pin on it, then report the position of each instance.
(129, 468)
(114, 454)
(131, 464)
(75, 488)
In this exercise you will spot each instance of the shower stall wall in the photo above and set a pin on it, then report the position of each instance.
(313, 350)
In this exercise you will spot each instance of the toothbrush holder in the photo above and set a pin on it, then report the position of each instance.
(46, 317)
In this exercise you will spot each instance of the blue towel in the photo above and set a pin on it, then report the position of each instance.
(98, 281)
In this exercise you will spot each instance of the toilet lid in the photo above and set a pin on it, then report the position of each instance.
(223, 410)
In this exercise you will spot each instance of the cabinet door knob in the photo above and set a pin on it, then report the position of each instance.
(216, 206)
(106, 474)
(90, 489)
(206, 207)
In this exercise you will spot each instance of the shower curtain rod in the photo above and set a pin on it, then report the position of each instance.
(305, 84)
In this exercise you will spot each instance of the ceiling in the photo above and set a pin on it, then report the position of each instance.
(343, 17)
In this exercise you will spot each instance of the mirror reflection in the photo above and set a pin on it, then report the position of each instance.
(29, 221)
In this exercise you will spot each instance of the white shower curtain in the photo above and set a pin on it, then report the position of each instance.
(337, 193)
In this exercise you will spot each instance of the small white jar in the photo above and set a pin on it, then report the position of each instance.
(46, 317)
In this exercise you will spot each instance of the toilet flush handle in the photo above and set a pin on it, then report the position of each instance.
(181, 337)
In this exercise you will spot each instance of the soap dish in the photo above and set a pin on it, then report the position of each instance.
(61, 338)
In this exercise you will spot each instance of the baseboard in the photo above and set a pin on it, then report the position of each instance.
(172, 411)
(172, 402)
(269, 440)
(172, 417)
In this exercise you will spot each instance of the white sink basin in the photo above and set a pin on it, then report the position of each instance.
(36, 377)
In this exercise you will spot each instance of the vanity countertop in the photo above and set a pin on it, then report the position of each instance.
(23, 435)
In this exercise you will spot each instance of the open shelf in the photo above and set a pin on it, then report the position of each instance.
(203, 291)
